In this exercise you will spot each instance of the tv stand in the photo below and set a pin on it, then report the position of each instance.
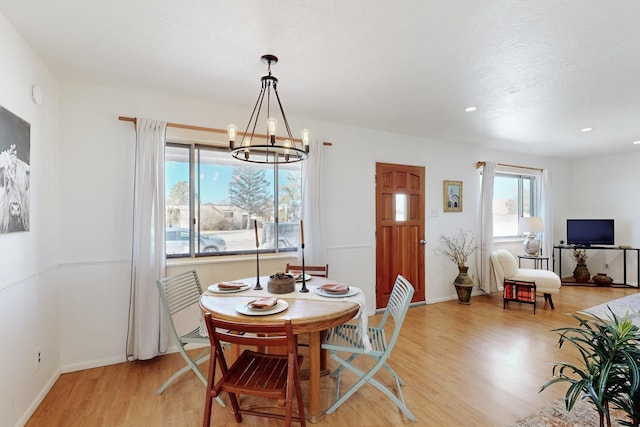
(624, 249)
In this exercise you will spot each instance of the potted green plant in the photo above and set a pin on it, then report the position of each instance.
(457, 249)
(609, 372)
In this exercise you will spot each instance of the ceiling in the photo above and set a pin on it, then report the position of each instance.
(537, 71)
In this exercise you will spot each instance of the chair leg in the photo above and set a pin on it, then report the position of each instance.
(547, 297)
(300, 402)
(396, 376)
(364, 378)
(192, 365)
(336, 372)
(291, 388)
(207, 410)
(235, 406)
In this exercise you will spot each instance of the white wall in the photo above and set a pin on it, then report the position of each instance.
(28, 263)
(64, 286)
(606, 187)
(101, 149)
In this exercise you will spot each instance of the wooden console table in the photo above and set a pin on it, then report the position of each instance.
(602, 248)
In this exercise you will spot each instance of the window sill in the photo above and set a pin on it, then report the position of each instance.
(222, 259)
(508, 239)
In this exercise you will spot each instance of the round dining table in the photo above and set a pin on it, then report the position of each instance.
(308, 315)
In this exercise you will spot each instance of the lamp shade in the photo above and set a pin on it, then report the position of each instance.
(531, 224)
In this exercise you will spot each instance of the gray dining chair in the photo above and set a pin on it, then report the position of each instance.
(346, 338)
(177, 293)
(312, 270)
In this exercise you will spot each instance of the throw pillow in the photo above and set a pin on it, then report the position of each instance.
(508, 262)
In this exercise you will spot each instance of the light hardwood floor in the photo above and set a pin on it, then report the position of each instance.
(475, 365)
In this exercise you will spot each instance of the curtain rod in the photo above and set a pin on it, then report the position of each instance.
(481, 164)
(206, 129)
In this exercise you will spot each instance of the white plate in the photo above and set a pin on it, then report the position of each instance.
(352, 291)
(215, 289)
(280, 306)
(299, 273)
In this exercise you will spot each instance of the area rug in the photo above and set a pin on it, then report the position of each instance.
(583, 414)
(629, 305)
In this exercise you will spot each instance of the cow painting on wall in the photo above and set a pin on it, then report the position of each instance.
(15, 144)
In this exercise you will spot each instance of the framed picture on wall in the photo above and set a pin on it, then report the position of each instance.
(452, 196)
(15, 145)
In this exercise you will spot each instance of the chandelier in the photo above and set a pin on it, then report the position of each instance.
(268, 148)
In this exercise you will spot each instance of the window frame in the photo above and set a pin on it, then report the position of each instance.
(194, 146)
(533, 199)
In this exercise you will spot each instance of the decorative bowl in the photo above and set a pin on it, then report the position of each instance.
(601, 279)
(281, 283)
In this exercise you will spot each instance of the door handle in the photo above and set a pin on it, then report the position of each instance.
(423, 242)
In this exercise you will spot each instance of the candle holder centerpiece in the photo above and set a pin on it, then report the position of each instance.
(255, 227)
(304, 278)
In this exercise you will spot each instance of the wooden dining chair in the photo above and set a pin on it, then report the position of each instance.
(178, 293)
(274, 376)
(346, 338)
(312, 270)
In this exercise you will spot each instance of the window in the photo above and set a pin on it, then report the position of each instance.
(514, 196)
(401, 207)
(216, 199)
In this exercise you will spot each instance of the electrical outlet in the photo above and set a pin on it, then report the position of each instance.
(38, 354)
(606, 265)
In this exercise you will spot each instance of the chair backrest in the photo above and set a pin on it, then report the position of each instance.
(179, 291)
(398, 306)
(504, 265)
(250, 334)
(313, 270)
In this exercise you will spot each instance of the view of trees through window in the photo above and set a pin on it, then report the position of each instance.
(223, 198)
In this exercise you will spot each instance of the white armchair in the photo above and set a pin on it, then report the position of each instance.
(505, 266)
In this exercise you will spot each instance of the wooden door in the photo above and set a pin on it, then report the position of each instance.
(400, 194)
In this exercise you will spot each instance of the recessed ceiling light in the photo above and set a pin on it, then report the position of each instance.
(470, 109)
(636, 142)
(586, 129)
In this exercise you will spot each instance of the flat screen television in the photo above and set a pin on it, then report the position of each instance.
(590, 232)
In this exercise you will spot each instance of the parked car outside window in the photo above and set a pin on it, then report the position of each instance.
(177, 242)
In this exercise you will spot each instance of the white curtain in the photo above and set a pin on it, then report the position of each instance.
(312, 203)
(147, 335)
(485, 230)
(545, 210)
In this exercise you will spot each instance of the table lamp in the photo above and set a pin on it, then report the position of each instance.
(531, 226)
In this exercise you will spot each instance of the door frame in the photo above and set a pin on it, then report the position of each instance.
(420, 295)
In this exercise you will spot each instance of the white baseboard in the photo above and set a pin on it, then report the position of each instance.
(38, 400)
(92, 364)
(453, 297)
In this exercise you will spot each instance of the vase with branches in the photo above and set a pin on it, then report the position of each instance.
(458, 249)
(580, 255)
(581, 272)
